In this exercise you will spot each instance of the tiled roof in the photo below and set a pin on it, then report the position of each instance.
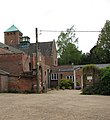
(12, 29)
(12, 49)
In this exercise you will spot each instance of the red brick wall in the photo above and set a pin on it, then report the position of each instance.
(54, 55)
(52, 60)
(41, 60)
(21, 84)
(12, 38)
(43, 68)
(49, 60)
(25, 61)
(0, 83)
(3, 83)
(11, 63)
(14, 63)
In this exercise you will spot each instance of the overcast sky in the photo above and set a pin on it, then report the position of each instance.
(26, 15)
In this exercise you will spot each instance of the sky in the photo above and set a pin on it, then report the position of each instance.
(58, 15)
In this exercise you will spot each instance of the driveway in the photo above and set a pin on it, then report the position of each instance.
(54, 105)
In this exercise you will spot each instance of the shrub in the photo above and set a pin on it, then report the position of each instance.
(63, 87)
(70, 87)
(57, 87)
(66, 83)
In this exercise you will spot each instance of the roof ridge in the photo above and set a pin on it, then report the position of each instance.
(12, 29)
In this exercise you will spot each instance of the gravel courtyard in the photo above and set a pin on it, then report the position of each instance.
(54, 105)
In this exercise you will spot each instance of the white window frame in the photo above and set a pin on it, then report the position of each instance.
(54, 76)
(69, 77)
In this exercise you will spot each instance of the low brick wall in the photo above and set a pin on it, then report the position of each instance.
(21, 84)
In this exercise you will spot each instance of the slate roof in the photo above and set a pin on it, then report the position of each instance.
(13, 28)
(69, 68)
(45, 48)
(30, 49)
(66, 68)
(10, 48)
(102, 65)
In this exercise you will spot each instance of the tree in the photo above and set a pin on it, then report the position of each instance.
(67, 47)
(101, 52)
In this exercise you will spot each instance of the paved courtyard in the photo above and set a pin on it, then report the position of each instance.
(55, 105)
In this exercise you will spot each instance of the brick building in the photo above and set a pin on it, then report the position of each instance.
(13, 60)
(18, 58)
(4, 81)
(67, 72)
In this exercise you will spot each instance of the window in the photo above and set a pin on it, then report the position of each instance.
(61, 76)
(69, 77)
(54, 76)
(30, 66)
(55, 62)
(45, 72)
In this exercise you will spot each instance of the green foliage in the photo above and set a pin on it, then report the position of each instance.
(64, 38)
(100, 53)
(77, 84)
(66, 83)
(70, 54)
(90, 67)
(67, 49)
(91, 70)
(85, 59)
(103, 86)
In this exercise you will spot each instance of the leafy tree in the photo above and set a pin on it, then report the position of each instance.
(85, 59)
(70, 54)
(67, 47)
